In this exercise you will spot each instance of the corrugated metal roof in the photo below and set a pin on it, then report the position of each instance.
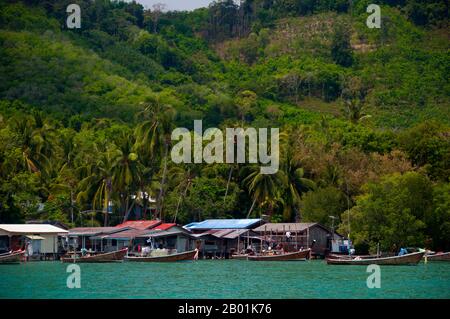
(32, 229)
(165, 226)
(92, 231)
(140, 224)
(221, 233)
(226, 233)
(283, 227)
(160, 233)
(236, 233)
(123, 235)
(223, 224)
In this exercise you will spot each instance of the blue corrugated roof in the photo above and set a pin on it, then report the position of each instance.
(224, 224)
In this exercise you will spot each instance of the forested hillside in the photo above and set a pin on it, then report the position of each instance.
(86, 114)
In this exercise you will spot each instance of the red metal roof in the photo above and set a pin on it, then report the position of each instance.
(140, 224)
(165, 226)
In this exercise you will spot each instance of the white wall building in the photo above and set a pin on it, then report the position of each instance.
(42, 237)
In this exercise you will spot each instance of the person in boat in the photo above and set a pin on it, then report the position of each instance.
(288, 236)
(145, 251)
(250, 250)
(280, 248)
(403, 251)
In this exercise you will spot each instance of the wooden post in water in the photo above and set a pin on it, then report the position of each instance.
(248, 239)
(307, 237)
(265, 232)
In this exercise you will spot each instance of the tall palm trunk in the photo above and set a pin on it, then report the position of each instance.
(251, 208)
(163, 182)
(298, 216)
(128, 211)
(183, 195)
(228, 183)
(144, 208)
(108, 199)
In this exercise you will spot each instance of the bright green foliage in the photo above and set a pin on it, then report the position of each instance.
(393, 212)
(319, 205)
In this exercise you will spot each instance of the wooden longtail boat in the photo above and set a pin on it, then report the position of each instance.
(408, 259)
(100, 258)
(439, 257)
(188, 255)
(12, 258)
(336, 256)
(239, 256)
(295, 256)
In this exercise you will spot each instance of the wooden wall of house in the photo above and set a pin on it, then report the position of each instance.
(321, 237)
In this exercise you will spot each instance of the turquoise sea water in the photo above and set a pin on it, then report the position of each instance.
(223, 279)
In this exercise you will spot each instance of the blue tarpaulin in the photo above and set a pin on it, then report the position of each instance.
(224, 224)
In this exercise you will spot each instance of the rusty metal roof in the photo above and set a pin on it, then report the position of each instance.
(140, 224)
(92, 231)
(123, 235)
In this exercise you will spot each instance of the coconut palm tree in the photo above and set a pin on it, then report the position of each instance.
(353, 110)
(181, 178)
(265, 189)
(127, 173)
(98, 183)
(296, 184)
(154, 133)
(35, 138)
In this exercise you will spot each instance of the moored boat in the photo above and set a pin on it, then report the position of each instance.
(438, 257)
(184, 256)
(337, 256)
(99, 258)
(407, 259)
(12, 257)
(239, 256)
(295, 256)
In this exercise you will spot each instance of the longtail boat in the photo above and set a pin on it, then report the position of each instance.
(99, 258)
(439, 257)
(337, 256)
(188, 255)
(12, 257)
(295, 256)
(239, 256)
(407, 259)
